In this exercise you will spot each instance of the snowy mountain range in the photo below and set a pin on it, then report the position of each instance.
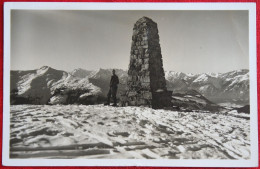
(218, 87)
(50, 86)
(231, 87)
(81, 73)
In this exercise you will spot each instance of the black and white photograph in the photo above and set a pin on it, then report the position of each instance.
(136, 84)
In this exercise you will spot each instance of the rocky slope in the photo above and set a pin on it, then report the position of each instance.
(222, 87)
(81, 73)
(49, 86)
(192, 100)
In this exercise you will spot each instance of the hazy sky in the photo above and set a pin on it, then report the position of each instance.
(191, 41)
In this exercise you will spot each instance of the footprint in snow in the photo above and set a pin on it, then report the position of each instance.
(100, 123)
(105, 118)
(15, 140)
(66, 134)
(115, 134)
(84, 121)
(50, 120)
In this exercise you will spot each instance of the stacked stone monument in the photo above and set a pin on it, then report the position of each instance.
(146, 83)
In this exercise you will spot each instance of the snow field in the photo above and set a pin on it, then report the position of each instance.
(97, 131)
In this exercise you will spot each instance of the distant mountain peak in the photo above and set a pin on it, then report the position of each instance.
(45, 67)
(81, 73)
(43, 70)
(79, 69)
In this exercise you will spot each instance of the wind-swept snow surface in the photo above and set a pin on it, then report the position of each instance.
(97, 131)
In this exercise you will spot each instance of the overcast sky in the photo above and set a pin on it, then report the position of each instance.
(191, 41)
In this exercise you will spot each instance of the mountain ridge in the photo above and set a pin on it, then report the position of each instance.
(48, 86)
(232, 86)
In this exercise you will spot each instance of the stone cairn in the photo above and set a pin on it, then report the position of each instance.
(146, 85)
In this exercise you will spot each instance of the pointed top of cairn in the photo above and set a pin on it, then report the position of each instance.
(145, 19)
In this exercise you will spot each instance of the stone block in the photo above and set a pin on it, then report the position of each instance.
(132, 93)
(146, 66)
(135, 32)
(147, 95)
(146, 86)
(146, 61)
(140, 61)
(129, 78)
(134, 37)
(132, 103)
(126, 103)
(133, 47)
(134, 78)
(146, 55)
(145, 79)
(145, 46)
(141, 52)
(133, 57)
(141, 102)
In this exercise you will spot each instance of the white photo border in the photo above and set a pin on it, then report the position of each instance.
(251, 7)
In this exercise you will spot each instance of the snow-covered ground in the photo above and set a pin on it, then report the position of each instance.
(97, 131)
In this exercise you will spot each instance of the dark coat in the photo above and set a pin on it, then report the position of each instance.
(114, 81)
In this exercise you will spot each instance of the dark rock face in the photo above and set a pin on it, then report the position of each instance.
(146, 83)
(244, 109)
(191, 100)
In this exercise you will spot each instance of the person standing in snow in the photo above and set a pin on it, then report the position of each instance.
(113, 88)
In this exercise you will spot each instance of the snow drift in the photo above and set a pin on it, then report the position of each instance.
(97, 131)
